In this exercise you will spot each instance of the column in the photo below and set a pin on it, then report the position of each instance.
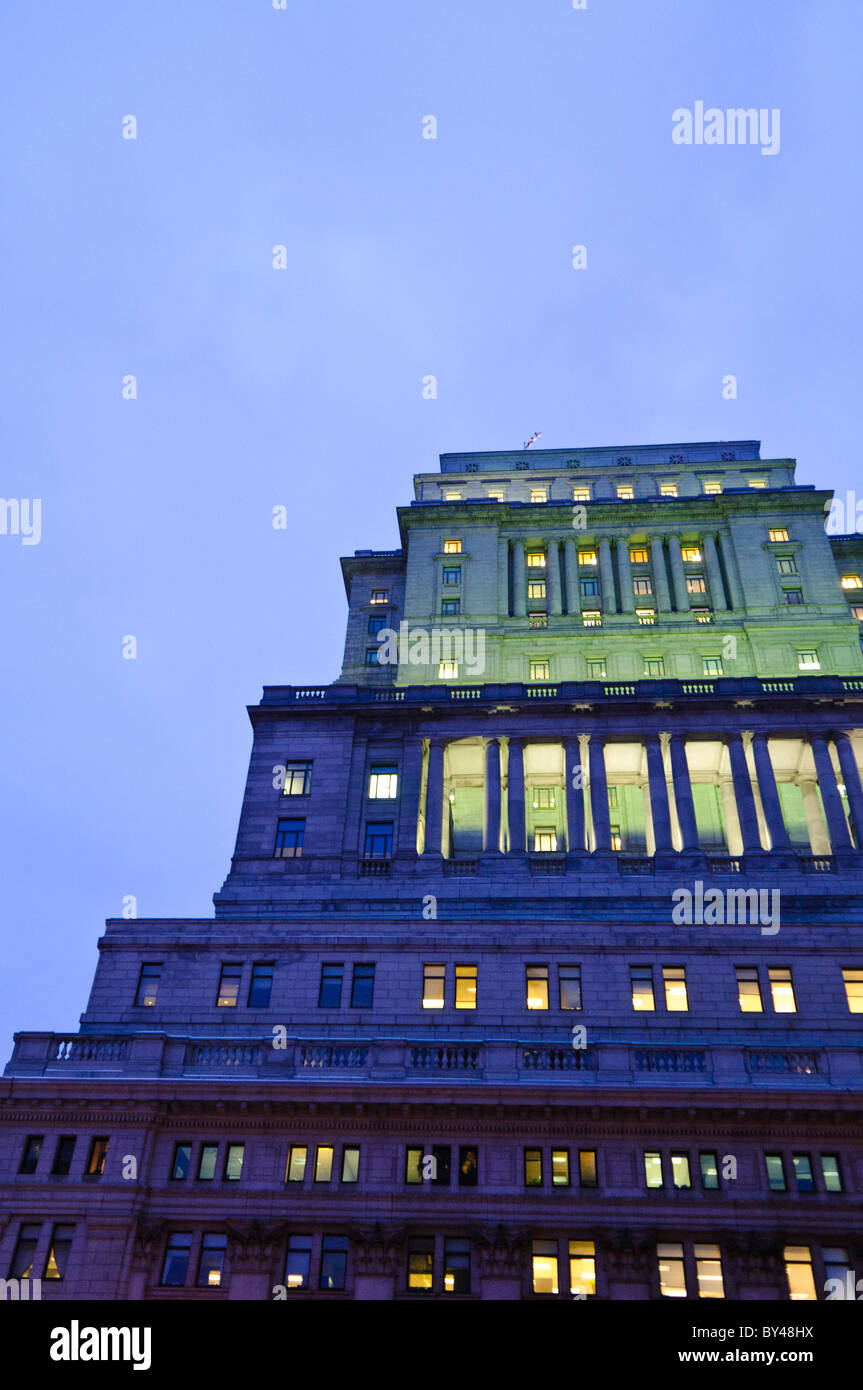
(837, 826)
(624, 571)
(851, 778)
(515, 796)
(503, 578)
(743, 796)
(649, 837)
(659, 812)
(434, 797)
(819, 842)
(599, 794)
(735, 589)
(606, 577)
(409, 796)
(571, 567)
(714, 575)
(678, 578)
(552, 564)
(574, 797)
(779, 837)
(660, 577)
(491, 836)
(519, 585)
(733, 838)
(683, 792)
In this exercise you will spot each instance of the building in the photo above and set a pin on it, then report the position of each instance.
(538, 970)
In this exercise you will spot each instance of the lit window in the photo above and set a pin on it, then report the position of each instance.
(702, 615)
(757, 482)
(851, 581)
(289, 838)
(786, 564)
(539, 494)
(654, 666)
(616, 839)
(96, 1158)
(379, 839)
(798, 1272)
(298, 1262)
(465, 986)
(380, 596)
(452, 574)
(712, 665)
(672, 1282)
(452, 547)
(536, 559)
(334, 1259)
(544, 839)
(831, 1173)
(537, 986)
(229, 986)
(539, 670)
(350, 1164)
(802, 1165)
(637, 555)
(646, 616)
(433, 986)
(587, 557)
(456, 1267)
(778, 533)
(853, 981)
(691, 554)
(808, 661)
(668, 489)
(207, 1162)
(587, 1174)
(536, 588)
(148, 984)
(452, 496)
(261, 985)
(582, 1266)
(857, 611)
(695, 584)
(674, 979)
(712, 487)
(543, 799)
(641, 981)
(680, 1175)
(782, 990)
(641, 586)
(330, 992)
(709, 1171)
(625, 492)
(296, 1163)
(591, 617)
(652, 1168)
(569, 986)
(363, 987)
(450, 606)
(176, 1263)
(708, 1270)
(495, 495)
(448, 671)
(468, 1167)
(596, 669)
(749, 990)
(795, 596)
(544, 1266)
(533, 1167)
(581, 494)
(298, 775)
(323, 1163)
(234, 1162)
(560, 1167)
(58, 1252)
(383, 782)
(537, 619)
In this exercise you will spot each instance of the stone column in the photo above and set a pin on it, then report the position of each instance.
(519, 583)
(606, 577)
(409, 797)
(660, 578)
(659, 811)
(837, 825)
(574, 797)
(779, 837)
(735, 589)
(678, 578)
(491, 836)
(649, 837)
(434, 797)
(746, 812)
(851, 778)
(552, 564)
(733, 837)
(819, 841)
(624, 571)
(599, 794)
(714, 575)
(503, 578)
(571, 566)
(515, 796)
(683, 793)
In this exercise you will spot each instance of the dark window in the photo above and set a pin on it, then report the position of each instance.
(420, 1262)
(330, 996)
(234, 1162)
(775, 1172)
(229, 986)
(181, 1161)
(334, 1259)
(533, 1167)
(148, 984)
(793, 596)
(450, 607)
(456, 1268)
(211, 1264)
(32, 1150)
(350, 1164)
(468, 1167)
(379, 839)
(298, 1262)
(377, 623)
(298, 779)
(372, 654)
(207, 1162)
(25, 1248)
(441, 1164)
(261, 986)
(363, 987)
(176, 1263)
(96, 1158)
(589, 587)
(289, 839)
(709, 1170)
(803, 1172)
(63, 1154)
(452, 574)
(58, 1252)
(569, 979)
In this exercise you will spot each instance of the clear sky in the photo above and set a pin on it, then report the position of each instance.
(302, 386)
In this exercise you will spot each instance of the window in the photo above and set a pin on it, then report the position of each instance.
(625, 492)
(448, 671)
(581, 494)
(582, 1266)
(211, 1263)
(712, 487)
(708, 1271)
(591, 617)
(668, 489)
(289, 834)
(468, 1167)
(543, 798)
(350, 1164)
(177, 1255)
(330, 994)
(782, 990)
(560, 1167)
(58, 1252)
(465, 986)
(701, 615)
(778, 533)
(798, 1272)
(456, 1270)
(324, 1163)
(536, 588)
(837, 1265)
(637, 555)
(383, 782)
(298, 1262)
(433, 986)
(709, 1169)
(536, 559)
(380, 596)
(596, 669)
(786, 564)
(544, 839)
(680, 1175)
(691, 554)
(373, 656)
(537, 619)
(674, 979)
(851, 581)
(420, 1262)
(587, 557)
(296, 1163)
(452, 547)
(363, 987)
(450, 607)
(261, 985)
(63, 1155)
(853, 981)
(298, 776)
(379, 839)
(695, 584)
(148, 984)
(25, 1248)
(539, 670)
(802, 1165)
(749, 990)
(569, 985)
(616, 839)
(793, 596)
(539, 494)
(96, 1157)
(533, 1167)
(775, 1165)
(495, 494)
(207, 1162)
(808, 661)
(654, 666)
(544, 1266)
(672, 1281)
(831, 1173)
(712, 665)
(377, 623)
(641, 586)
(653, 1168)
(589, 588)
(757, 482)
(181, 1161)
(229, 986)
(32, 1149)
(857, 611)
(537, 986)
(452, 574)
(641, 981)
(646, 617)
(234, 1162)
(334, 1259)
(587, 1175)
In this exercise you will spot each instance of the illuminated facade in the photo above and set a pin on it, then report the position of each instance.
(538, 968)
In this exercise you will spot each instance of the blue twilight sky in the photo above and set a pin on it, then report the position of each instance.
(302, 126)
